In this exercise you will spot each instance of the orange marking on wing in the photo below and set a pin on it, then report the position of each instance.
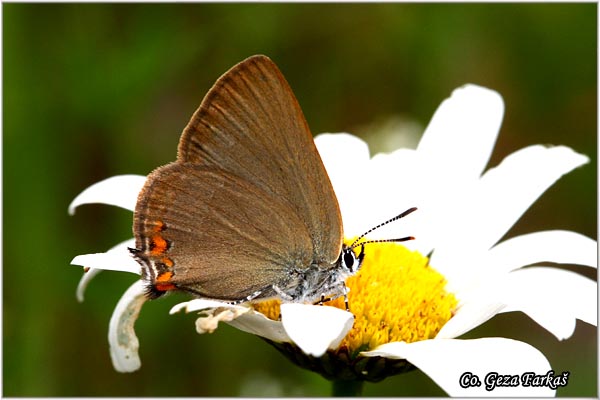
(158, 226)
(168, 262)
(162, 283)
(164, 277)
(163, 287)
(158, 245)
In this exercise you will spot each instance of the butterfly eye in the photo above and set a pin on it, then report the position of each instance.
(349, 260)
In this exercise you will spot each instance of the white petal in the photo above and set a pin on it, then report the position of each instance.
(559, 322)
(553, 298)
(121, 191)
(392, 184)
(557, 246)
(461, 135)
(346, 159)
(315, 328)
(508, 190)
(122, 340)
(202, 304)
(124, 246)
(453, 153)
(486, 212)
(365, 193)
(343, 156)
(257, 324)
(470, 315)
(92, 272)
(111, 261)
(338, 151)
(446, 360)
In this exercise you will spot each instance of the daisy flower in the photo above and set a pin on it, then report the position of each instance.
(410, 303)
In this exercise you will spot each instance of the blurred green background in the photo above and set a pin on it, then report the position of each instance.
(91, 91)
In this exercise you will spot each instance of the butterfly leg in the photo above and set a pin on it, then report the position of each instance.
(345, 289)
(325, 299)
(248, 298)
(282, 294)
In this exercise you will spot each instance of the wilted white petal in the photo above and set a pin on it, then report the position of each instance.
(446, 360)
(84, 281)
(466, 124)
(121, 191)
(111, 261)
(553, 298)
(241, 317)
(557, 246)
(122, 340)
(315, 328)
(210, 322)
(505, 192)
(214, 311)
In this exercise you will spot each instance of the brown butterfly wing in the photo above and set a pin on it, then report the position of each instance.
(213, 229)
(248, 198)
(251, 125)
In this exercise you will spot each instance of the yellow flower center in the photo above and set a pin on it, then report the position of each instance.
(395, 297)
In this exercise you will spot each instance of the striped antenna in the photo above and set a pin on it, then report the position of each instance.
(397, 217)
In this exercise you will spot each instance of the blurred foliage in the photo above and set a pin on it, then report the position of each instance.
(96, 90)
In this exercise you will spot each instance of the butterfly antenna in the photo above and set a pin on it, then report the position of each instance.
(397, 217)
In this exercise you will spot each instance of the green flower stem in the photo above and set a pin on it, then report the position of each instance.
(350, 388)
